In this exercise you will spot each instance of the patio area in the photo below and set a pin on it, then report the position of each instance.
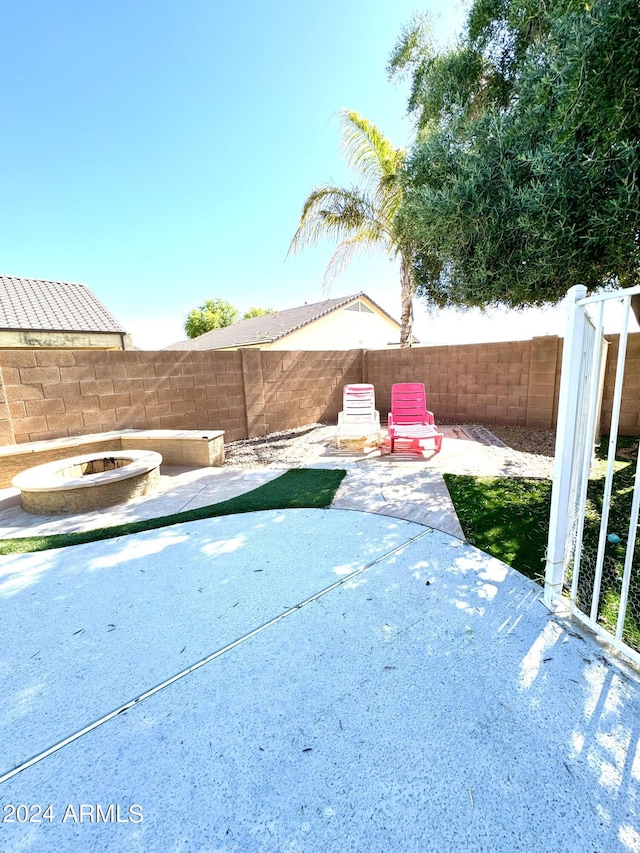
(355, 678)
(403, 485)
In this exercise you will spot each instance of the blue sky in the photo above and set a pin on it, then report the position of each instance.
(160, 152)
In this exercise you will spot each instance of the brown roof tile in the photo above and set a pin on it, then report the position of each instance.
(33, 303)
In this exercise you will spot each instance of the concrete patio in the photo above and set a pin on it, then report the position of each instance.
(305, 680)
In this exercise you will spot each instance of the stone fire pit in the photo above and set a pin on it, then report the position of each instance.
(90, 481)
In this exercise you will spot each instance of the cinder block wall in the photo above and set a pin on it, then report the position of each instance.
(306, 387)
(59, 393)
(505, 383)
(6, 425)
(630, 407)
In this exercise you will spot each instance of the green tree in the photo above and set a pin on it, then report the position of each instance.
(362, 217)
(525, 175)
(257, 312)
(212, 314)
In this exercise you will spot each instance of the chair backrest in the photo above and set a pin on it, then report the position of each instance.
(408, 403)
(359, 403)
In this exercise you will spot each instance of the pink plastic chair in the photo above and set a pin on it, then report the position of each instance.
(409, 418)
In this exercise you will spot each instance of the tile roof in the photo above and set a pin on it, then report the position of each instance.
(269, 327)
(33, 303)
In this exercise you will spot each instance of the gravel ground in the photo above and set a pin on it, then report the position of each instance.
(287, 447)
(539, 441)
(518, 452)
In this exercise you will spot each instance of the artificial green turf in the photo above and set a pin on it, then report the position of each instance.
(298, 488)
(508, 517)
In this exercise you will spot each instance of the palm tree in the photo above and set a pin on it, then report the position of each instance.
(362, 218)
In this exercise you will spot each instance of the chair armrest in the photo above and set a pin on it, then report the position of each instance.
(430, 418)
(390, 421)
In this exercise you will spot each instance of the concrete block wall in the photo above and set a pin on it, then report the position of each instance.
(545, 362)
(306, 387)
(246, 393)
(6, 425)
(58, 393)
(630, 407)
(474, 383)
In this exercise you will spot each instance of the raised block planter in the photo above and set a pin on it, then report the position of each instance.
(177, 447)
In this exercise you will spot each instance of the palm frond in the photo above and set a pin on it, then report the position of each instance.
(367, 150)
(389, 196)
(332, 212)
(367, 239)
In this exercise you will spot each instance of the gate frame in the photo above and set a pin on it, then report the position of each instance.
(563, 541)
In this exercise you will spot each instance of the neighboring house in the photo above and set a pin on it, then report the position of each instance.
(35, 313)
(352, 322)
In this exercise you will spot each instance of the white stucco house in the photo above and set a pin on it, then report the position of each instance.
(349, 322)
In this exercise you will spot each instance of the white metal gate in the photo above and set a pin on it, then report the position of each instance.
(568, 567)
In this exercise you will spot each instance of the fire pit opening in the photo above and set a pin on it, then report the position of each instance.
(94, 466)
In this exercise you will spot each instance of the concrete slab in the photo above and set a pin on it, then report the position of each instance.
(93, 626)
(430, 703)
(400, 490)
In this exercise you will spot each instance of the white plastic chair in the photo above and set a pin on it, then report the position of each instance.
(359, 417)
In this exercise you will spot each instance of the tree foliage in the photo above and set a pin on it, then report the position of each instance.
(212, 314)
(525, 175)
(257, 312)
(216, 314)
(362, 218)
